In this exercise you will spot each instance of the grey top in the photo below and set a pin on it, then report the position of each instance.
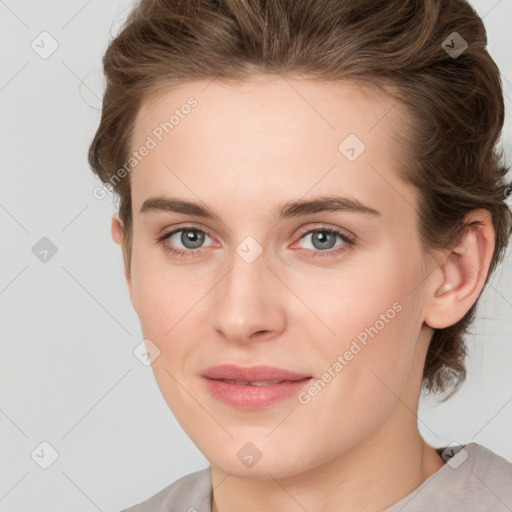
(473, 479)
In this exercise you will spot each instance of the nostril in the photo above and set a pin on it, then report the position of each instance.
(261, 334)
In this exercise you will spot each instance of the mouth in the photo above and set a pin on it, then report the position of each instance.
(252, 374)
(255, 382)
(254, 387)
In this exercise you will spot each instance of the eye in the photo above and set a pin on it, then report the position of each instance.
(323, 241)
(190, 238)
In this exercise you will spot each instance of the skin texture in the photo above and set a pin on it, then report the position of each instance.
(243, 151)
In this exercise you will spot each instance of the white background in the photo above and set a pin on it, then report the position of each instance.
(68, 374)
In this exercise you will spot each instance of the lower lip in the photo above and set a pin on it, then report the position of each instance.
(254, 397)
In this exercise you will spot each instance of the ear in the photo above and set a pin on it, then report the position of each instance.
(118, 237)
(463, 271)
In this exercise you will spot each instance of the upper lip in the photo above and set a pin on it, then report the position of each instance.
(252, 373)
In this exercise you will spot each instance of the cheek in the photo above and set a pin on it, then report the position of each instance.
(164, 300)
(360, 382)
(376, 320)
(366, 291)
(168, 299)
(157, 295)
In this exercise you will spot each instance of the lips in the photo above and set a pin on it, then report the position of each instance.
(252, 374)
(252, 383)
(253, 387)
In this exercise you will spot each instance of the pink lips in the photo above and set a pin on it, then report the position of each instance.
(253, 387)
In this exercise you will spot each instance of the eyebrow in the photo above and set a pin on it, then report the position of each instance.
(290, 209)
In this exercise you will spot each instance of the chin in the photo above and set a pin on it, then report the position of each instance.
(261, 459)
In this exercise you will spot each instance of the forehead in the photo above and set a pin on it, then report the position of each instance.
(268, 138)
(270, 102)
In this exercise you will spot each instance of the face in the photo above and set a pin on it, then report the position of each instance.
(287, 334)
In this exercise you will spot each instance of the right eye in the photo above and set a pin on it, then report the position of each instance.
(189, 237)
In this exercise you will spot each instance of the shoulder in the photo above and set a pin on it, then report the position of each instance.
(473, 479)
(190, 493)
(489, 462)
(492, 472)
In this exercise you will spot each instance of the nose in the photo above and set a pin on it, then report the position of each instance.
(249, 302)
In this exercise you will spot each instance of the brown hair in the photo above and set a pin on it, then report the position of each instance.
(455, 102)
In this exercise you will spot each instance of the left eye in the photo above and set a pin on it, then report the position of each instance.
(324, 239)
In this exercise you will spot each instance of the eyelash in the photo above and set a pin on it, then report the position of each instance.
(348, 242)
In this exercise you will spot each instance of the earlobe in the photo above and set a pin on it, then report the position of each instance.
(117, 229)
(463, 273)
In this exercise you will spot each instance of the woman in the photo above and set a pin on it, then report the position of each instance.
(311, 203)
